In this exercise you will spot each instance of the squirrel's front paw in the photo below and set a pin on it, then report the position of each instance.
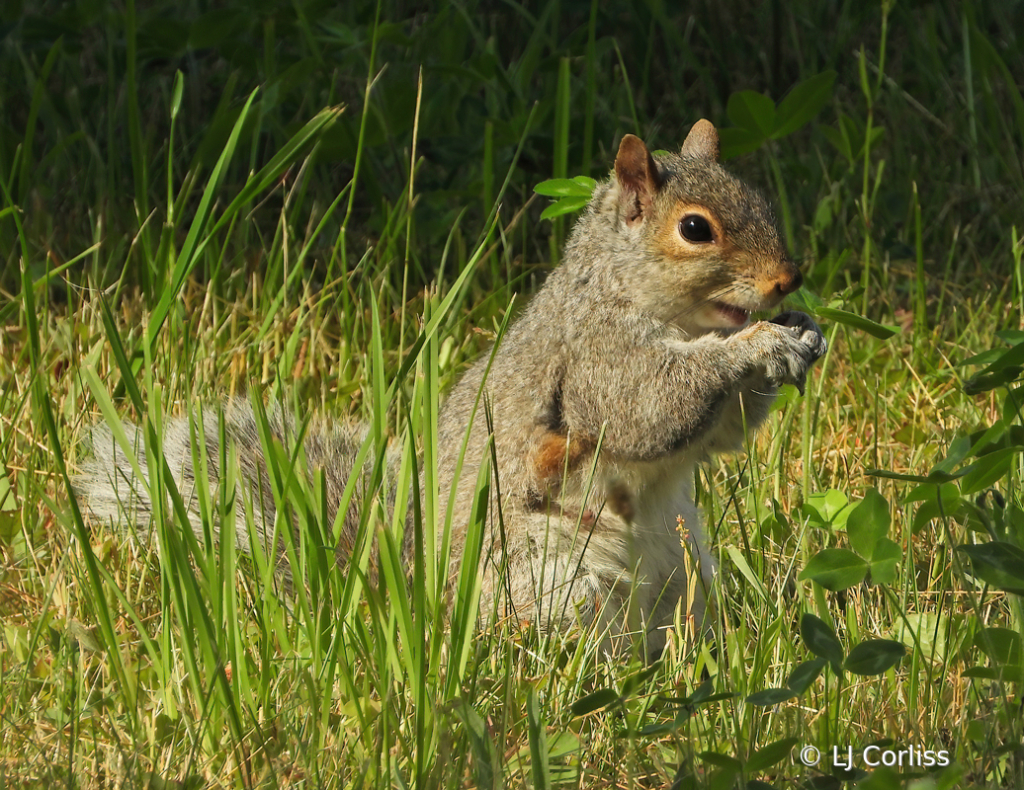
(787, 346)
(809, 333)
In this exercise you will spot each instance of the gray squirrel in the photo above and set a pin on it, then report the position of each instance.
(635, 361)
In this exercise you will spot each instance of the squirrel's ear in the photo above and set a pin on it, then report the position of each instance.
(637, 176)
(702, 141)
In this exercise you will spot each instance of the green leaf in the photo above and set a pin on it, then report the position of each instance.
(702, 693)
(770, 755)
(823, 215)
(887, 475)
(982, 358)
(808, 301)
(662, 728)
(540, 767)
(946, 493)
(986, 382)
(1012, 358)
(865, 83)
(934, 477)
(735, 141)
(937, 501)
(801, 678)
(926, 632)
(1011, 335)
(1001, 645)
(873, 328)
(486, 766)
(883, 778)
(997, 563)
(828, 508)
(821, 640)
(998, 554)
(987, 470)
(983, 673)
(562, 744)
(887, 555)
(566, 205)
(8, 501)
(868, 523)
(874, 656)
(768, 697)
(839, 141)
(638, 679)
(595, 701)
(752, 111)
(777, 525)
(988, 440)
(10, 525)
(176, 93)
(566, 187)
(957, 452)
(927, 512)
(802, 103)
(720, 760)
(835, 569)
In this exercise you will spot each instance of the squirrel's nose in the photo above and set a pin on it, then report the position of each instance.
(789, 281)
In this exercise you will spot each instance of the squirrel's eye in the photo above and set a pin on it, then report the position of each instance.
(693, 227)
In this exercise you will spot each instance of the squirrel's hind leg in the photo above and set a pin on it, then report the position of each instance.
(564, 574)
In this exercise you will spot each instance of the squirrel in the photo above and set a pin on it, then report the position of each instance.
(635, 361)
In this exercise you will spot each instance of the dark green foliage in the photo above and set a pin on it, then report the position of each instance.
(85, 155)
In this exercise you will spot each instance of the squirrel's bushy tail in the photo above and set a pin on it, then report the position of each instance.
(108, 485)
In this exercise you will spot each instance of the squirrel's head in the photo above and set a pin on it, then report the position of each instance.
(708, 243)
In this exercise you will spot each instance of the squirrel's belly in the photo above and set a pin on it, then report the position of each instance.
(666, 516)
(662, 516)
(666, 542)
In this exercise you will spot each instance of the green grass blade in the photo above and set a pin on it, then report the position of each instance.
(188, 256)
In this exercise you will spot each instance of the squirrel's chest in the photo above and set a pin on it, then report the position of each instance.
(655, 495)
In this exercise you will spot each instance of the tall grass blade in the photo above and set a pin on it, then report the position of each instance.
(188, 256)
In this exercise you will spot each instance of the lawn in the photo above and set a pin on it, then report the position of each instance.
(332, 207)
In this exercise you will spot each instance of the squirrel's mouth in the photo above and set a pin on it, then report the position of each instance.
(736, 316)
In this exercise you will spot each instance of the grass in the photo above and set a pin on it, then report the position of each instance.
(350, 261)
